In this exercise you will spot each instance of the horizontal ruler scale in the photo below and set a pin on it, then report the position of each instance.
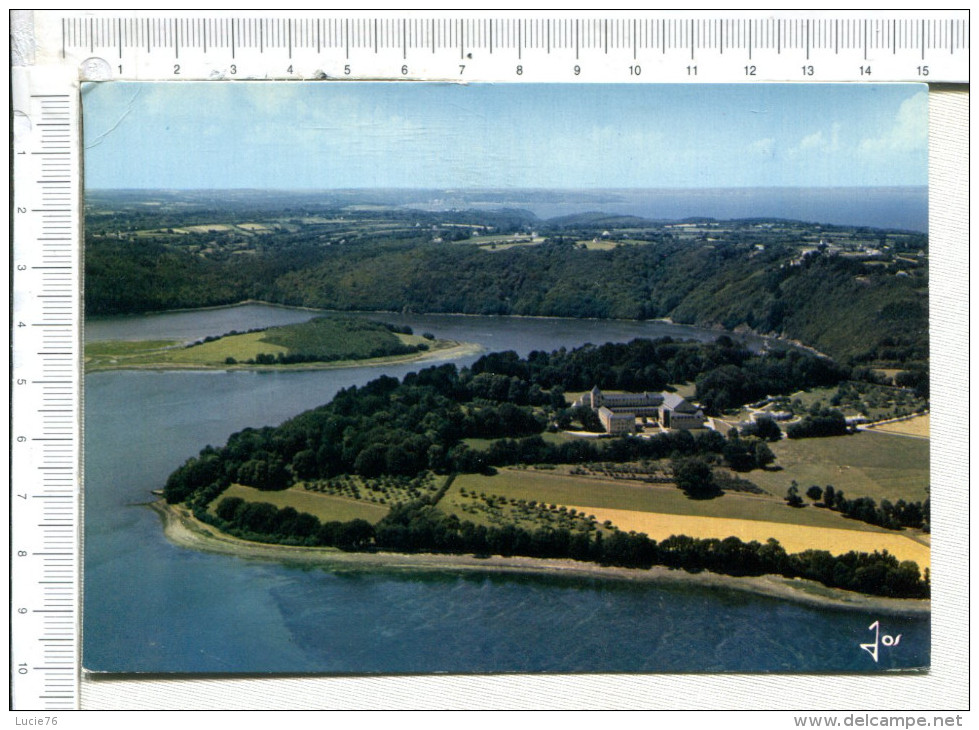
(645, 49)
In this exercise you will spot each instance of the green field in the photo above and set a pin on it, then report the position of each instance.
(320, 340)
(494, 509)
(118, 354)
(325, 507)
(558, 489)
(864, 464)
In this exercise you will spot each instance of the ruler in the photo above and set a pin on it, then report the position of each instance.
(57, 50)
(45, 394)
(673, 47)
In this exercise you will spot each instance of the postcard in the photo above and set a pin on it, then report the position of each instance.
(420, 378)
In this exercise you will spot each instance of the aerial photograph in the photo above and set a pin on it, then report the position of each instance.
(410, 378)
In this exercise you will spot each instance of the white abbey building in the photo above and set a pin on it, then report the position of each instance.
(618, 411)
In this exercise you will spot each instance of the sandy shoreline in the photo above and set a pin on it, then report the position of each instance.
(181, 528)
(451, 352)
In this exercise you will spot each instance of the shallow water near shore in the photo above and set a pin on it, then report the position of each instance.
(152, 606)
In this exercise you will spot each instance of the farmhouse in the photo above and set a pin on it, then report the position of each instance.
(618, 411)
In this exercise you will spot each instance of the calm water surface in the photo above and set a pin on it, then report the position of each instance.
(153, 607)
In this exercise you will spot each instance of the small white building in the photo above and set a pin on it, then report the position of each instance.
(678, 413)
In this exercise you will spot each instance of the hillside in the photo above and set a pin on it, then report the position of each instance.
(857, 294)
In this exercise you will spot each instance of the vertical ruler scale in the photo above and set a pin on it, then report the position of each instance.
(45, 398)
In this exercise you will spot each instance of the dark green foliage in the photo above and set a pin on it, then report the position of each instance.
(916, 379)
(763, 428)
(782, 371)
(694, 476)
(764, 456)
(893, 516)
(726, 374)
(196, 473)
(826, 422)
(739, 454)
(326, 339)
(267, 523)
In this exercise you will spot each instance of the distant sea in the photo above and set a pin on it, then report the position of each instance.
(883, 207)
(904, 208)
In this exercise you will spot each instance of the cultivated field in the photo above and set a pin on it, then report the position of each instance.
(794, 538)
(919, 426)
(591, 493)
(326, 507)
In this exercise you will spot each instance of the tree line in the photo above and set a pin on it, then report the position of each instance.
(892, 515)
(420, 526)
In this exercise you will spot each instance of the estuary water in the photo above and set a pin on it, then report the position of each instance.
(150, 606)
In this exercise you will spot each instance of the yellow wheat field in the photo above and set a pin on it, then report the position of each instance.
(918, 426)
(794, 538)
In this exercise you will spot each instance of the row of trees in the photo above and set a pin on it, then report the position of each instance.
(421, 527)
(892, 515)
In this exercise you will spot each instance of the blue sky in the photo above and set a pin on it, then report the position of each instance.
(324, 135)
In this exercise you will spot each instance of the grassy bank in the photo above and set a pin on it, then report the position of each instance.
(168, 354)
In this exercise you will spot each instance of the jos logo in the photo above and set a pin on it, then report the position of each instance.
(885, 640)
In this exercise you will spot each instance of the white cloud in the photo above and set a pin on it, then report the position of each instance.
(908, 132)
(813, 140)
(820, 141)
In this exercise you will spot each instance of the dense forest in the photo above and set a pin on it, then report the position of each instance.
(404, 427)
(859, 295)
